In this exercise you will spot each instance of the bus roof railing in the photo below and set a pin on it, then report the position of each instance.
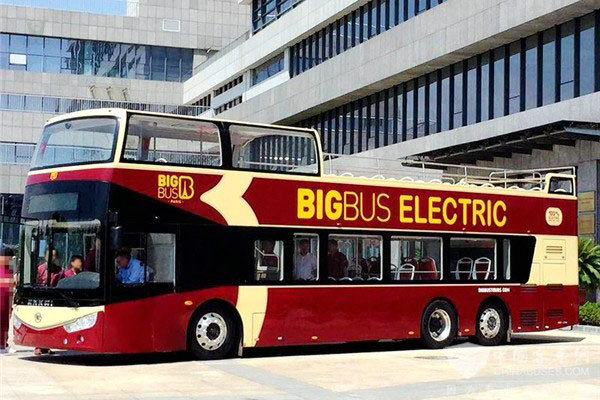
(421, 171)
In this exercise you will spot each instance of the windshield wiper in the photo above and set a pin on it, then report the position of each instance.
(70, 301)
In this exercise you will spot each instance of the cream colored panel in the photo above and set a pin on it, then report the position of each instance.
(226, 198)
(40, 318)
(555, 261)
(252, 305)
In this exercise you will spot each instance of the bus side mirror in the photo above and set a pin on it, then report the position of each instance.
(116, 237)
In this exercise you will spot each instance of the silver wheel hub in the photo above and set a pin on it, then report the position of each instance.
(489, 323)
(211, 331)
(439, 325)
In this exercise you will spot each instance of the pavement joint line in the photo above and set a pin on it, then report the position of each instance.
(294, 387)
(476, 384)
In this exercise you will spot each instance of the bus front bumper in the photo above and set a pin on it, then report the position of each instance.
(59, 327)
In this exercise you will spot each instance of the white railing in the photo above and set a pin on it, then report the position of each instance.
(406, 170)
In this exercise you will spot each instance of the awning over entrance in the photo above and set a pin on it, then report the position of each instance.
(543, 137)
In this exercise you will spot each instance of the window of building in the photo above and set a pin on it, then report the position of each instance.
(306, 257)
(457, 71)
(531, 72)
(472, 259)
(266, 11)
(411, 119)
(416, 258)
(354, 258)
(499, 92)
(445, 94)
(514, 78)
(567, 60)
(549, 66)
(485, 87)
(471, 83)
(271, 149)
(433, 103)
(166, 140)
(421, 109)
(586, 54)
(268, 260)
(96, 58)
(268, 69)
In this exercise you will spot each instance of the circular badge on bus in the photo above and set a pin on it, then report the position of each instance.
(554, 216)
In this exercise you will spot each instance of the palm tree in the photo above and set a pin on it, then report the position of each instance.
(589, 264)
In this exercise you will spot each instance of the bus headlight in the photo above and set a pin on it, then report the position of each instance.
(85, 322)
(16, 322)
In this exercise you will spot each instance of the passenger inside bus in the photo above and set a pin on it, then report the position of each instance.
(305, 263)
(337, 263)
(131, 270)
(75, 266)
(55, 269)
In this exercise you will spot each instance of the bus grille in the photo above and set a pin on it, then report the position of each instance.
(529, 317)
(555, 313)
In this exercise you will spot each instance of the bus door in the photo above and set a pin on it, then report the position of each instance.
(143, 264)
(553, 274)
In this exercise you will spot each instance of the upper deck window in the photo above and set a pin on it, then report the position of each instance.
(76, 141)
(172, 141)
(272, 149)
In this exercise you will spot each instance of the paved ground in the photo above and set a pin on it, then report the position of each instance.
(553, 365)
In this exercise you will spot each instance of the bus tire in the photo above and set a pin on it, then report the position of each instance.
(213, 333)
(439, 324)
(492, 324)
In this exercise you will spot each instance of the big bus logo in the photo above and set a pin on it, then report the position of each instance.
(175, 188)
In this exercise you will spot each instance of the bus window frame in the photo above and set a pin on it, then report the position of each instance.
(113, 150)
(318, 150)
(441, 271)
(223, 143)
(120, 292)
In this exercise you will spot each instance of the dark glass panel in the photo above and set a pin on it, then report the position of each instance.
(421, 111)
(514, 80)
(531, 71)
(586, 55)
(549, 66)
(485, 87)
(445, 98)
(433, 117)
(499, 94)
(472, 91)
(567, 60)
(35, 45)
(410, 110)
(458, 95)
(173, 64)
(18, 44)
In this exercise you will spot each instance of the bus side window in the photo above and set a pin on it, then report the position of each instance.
(560, 185)
(161, 258)
(268, 260)
(472, 259)
(306, 257)
(416, 258)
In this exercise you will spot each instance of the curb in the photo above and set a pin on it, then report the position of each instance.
(594, 330)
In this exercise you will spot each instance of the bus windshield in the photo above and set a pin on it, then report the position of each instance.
(60, 254)
(76, 141)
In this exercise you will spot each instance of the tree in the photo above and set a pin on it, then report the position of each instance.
(589, 264)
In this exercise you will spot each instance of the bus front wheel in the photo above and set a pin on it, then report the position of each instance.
(439, 325)
(212, 333)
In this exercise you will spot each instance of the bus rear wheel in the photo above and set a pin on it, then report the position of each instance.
(439, 325)
(491, 325)
(212, 333)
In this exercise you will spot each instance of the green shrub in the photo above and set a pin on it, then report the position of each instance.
(589, 264)
(589, 314)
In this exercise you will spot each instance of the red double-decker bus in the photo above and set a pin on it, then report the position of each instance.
(146, 232)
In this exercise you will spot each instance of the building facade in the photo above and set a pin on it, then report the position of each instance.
(499, 83)
(57, 57)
